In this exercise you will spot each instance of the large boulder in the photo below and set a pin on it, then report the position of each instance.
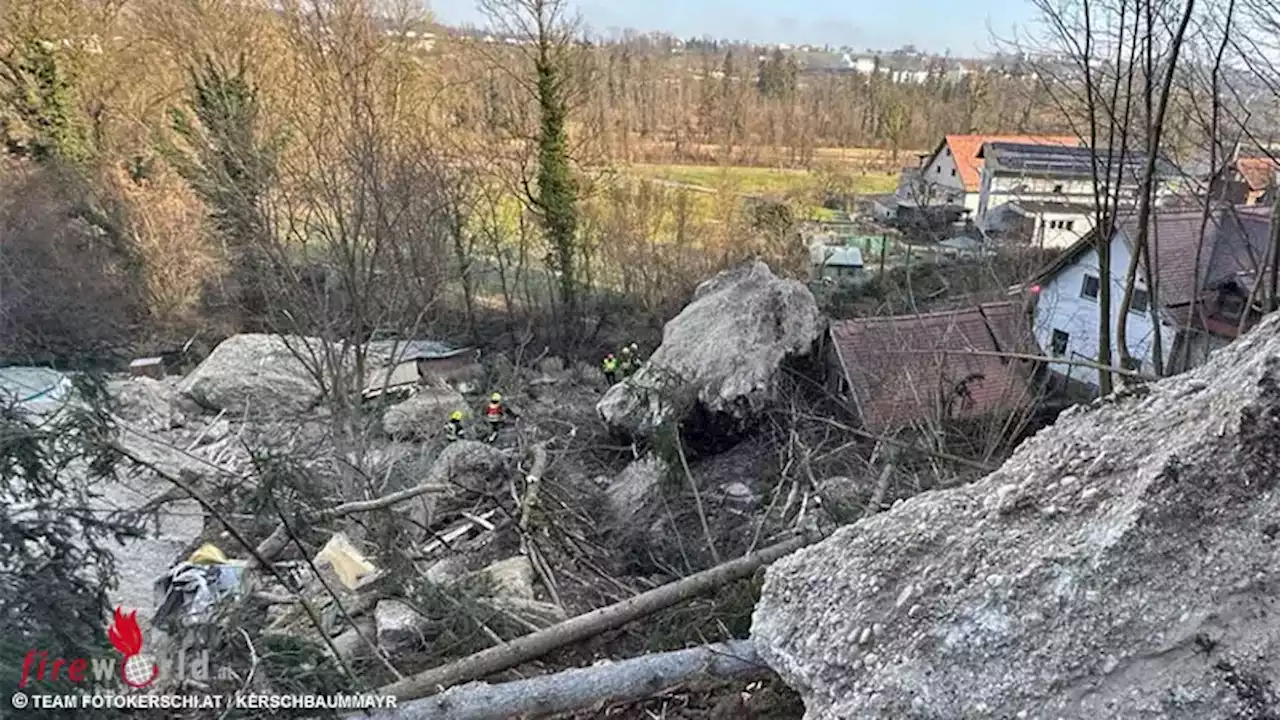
(424, 414)
(1122, 564)
(721, 357)
(255, 374)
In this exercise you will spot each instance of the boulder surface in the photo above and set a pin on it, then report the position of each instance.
(255, 374)
(424, 414)
(721, 355)
(1124, 563)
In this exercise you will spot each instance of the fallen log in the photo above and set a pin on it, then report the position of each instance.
(278, 540)
(626, 680)
(535, 645)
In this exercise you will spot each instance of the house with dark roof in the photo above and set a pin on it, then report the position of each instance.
(1044, 194)
(920, 370)
(1202, 283)
(950, 176)
(1248, 179)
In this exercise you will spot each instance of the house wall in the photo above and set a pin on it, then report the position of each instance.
(1061, 307)
(998, 188)
(1061, 230)
(839, 273)
(942, 171)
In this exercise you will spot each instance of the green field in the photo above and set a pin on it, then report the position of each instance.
(761, 180)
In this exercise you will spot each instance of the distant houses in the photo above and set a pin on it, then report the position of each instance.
(948, 181)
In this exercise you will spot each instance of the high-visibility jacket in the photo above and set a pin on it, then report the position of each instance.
(611, 365)
(494, 412)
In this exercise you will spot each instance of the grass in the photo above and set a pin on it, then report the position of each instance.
(761, 180)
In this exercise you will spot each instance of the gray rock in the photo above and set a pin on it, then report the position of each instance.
(1148, 593)
(146, 403)
(424, 414)
(512, 577)
(722, 353)
(551, 365)
(471, 470)
(255, 374)
(400, 628)
(635, 489)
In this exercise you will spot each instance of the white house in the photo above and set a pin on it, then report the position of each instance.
(1195, 315)
(951, 174)
(1045, 194)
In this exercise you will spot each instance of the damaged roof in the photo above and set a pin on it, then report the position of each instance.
(910, 369)
(400, 351)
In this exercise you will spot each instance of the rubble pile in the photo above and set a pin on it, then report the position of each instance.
(1122, 564)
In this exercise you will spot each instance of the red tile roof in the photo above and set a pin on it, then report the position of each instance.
(964, 149)
(900, 369)
(1256, 172)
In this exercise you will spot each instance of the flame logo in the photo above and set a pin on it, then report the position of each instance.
(126, 636)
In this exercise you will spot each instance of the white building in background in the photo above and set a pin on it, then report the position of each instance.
(951, 174)
(1044, 194)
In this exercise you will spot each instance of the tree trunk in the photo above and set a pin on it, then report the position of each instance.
(521, 650)
(579, 688)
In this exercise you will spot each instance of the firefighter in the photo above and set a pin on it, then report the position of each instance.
(627, 362)
(453, 428)
(495, 415)
(610, 367)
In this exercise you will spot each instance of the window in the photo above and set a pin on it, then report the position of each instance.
(953, 172)
(1068, 224)
(1057, 189)
(1231, 306)
(948, 152)
(1139, 302)
(1089, 288)
(938, 169)
(1059, 344)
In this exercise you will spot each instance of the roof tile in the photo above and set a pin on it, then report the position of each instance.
(900, 369)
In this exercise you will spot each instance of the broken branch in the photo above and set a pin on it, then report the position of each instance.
(530, 647)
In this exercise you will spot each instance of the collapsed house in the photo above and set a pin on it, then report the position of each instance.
(922, 370)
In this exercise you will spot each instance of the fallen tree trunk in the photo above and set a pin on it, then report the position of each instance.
(535, 645)
(278, 540)
(579, 688)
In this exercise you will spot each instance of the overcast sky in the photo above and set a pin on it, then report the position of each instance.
(962, 26)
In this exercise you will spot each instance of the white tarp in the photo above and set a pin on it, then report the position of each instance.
(35, 389)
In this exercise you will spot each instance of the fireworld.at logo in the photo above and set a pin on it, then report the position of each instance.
(134, 668)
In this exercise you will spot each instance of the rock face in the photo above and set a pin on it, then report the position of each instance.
(399, 626)
(721, 355)
(254, 374)
(1122, 564)
(147, 403)
(422, 415)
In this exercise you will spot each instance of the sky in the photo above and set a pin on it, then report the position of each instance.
(964, 27)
